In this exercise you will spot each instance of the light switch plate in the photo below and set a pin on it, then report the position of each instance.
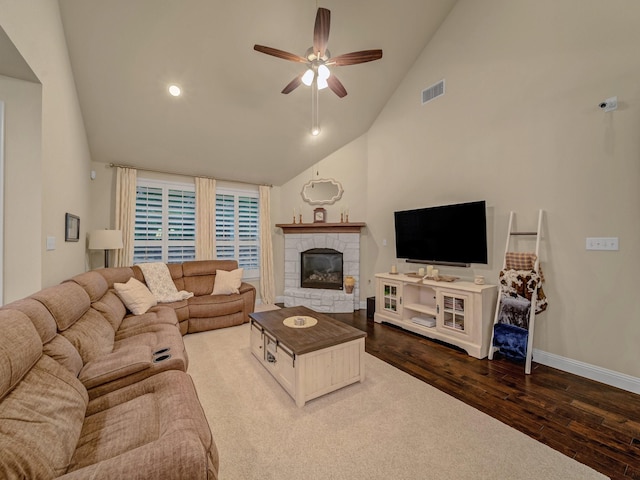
(602, 243)
(51, 243)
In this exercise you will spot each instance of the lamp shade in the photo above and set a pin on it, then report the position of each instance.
(105, 240)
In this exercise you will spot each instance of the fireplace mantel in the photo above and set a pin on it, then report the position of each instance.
(350, 227)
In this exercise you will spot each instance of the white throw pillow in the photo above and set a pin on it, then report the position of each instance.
(227, 283)
(135, 295)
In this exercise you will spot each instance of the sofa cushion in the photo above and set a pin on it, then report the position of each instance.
(199, 276)
(116, 365)
(162, 338)
(208, 306)
(20, 348)
(93, 283)
(135, 324)
(115, 274)
(62, 351)
(40, 422)
(92, 336)
(152, 429)
(111, 307)
(207, 267)
(38, 314)
(67, 302)
(135, 295)
(227, 283)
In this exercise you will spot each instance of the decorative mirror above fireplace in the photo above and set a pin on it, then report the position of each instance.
(324, 191)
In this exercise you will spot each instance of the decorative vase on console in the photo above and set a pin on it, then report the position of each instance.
(349, 283)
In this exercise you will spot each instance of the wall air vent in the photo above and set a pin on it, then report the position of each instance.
(433, 91)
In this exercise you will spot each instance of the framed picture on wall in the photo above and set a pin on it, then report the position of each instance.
(71, 228)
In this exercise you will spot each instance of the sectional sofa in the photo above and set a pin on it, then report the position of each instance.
(89, 390)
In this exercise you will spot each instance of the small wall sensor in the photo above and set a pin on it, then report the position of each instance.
(609, 104)
(93, 174)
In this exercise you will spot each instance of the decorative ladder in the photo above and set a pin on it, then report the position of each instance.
(534, 296)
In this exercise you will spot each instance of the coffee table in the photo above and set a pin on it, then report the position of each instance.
(307, 360)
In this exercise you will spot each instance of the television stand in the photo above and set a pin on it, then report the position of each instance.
(461, 312)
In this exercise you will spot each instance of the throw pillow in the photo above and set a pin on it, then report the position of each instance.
(227, 283)
(135, 295)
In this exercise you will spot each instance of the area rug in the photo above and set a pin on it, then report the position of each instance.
(265, 307)
(391, 426)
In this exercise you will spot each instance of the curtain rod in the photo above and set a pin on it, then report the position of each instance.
(165, 172)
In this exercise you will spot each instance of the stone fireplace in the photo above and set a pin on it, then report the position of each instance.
(338, 240)
(321, 268)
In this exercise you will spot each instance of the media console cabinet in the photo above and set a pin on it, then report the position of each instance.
(458, 313)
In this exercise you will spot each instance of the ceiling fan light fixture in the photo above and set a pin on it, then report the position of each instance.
(307, 78)
(323, 72)
(322, 83)
(315, 131)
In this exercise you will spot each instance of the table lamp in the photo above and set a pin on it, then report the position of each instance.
(105, 240)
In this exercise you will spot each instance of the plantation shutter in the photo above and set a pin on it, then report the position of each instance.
(148, 227)
(181, 226)
(248, 232)
(238, 229)
(165, 222)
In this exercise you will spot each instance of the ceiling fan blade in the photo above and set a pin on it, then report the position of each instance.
(292, 85)
(336, 86)
(279, 53)
(321, 31)
(354, 58)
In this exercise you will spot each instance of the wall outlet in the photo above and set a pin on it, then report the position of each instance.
(602, 243)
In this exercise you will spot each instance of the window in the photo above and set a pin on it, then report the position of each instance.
(238, 229)
(165, 222)
(165, 225)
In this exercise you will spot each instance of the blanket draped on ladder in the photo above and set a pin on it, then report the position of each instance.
(518, 282)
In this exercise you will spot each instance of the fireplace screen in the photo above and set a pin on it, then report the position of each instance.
(321, 268)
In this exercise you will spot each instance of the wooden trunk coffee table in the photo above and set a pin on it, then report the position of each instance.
(310, 359)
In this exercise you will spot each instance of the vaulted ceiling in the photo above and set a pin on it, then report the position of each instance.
(232, 122)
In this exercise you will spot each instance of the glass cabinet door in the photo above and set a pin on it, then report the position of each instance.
(391, 298)
(454, 311)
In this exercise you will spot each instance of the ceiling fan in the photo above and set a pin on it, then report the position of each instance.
(318, 58)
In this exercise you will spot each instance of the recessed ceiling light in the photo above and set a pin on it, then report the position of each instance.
(175, 90)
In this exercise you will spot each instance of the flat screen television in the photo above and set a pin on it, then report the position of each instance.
(447, 234)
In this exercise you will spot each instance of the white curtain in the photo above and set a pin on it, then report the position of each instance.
(125, 213)
(267, 283)
(205, 218)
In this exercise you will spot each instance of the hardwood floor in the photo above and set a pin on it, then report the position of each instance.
(591, 422)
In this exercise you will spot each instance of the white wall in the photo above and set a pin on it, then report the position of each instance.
(519, 126)
(36, 30)
(22, 187)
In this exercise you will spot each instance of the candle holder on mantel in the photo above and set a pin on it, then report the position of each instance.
(300, 219)
(341, 217)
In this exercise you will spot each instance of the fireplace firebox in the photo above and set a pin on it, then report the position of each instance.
(321, 268)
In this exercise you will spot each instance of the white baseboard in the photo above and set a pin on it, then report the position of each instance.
(592, 372)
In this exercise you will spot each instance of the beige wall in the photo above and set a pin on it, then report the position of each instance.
(36, 30)
(22, 187)
(349, 167)
(519, 127)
